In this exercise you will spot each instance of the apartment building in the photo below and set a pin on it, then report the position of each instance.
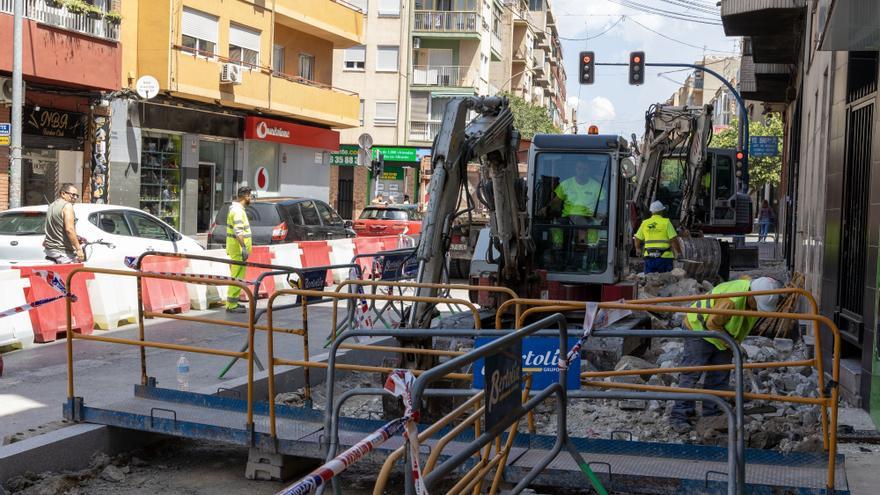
(72, 63)
(700, 88)
(822, 71)
(246, 95)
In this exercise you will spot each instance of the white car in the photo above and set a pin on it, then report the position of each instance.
(129, 230)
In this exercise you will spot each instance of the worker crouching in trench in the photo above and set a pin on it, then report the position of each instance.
(709, 351)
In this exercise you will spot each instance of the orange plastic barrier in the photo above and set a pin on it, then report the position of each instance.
(51, 319)
(316, 254)
(260, 254)
(164, 295)
(368, 245)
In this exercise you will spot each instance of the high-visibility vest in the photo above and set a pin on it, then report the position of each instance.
(579, 199)
(656, 236)
(737, 326)
(237, 219)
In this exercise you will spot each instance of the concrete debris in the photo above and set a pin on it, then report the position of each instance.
(112, 473)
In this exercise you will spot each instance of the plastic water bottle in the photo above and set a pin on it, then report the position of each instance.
(183, 373)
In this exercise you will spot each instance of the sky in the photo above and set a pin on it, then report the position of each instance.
(611, 103)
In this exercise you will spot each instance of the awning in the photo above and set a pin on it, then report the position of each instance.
(452, 93)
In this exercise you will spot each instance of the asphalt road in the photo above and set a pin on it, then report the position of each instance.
(34, 383)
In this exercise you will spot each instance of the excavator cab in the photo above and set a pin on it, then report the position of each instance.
(575, 200)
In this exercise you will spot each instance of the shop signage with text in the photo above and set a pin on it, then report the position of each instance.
(263, 129)
(5, 132)
(347, 155)
(50, 122)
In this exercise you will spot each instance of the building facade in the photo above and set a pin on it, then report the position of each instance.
(246, 96)
(71, 69)
(822, 73)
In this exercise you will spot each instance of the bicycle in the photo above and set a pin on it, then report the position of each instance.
(85, 247)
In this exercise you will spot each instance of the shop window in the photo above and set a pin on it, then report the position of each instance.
(386, 58)
(160, 177)
(199, 32)
(39, 176)
(355, 57)
(262, 154)
(244, 46)
(307, 66)
(386, 113)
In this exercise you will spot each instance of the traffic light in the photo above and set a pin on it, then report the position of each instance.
(739, 163)
(587, 65)
(636, 68)
(378, 165)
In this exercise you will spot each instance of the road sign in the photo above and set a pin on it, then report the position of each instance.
(540, 357)
(365, 141)
(5, 129)
(762, 146)
(147, 87)
(503, 382)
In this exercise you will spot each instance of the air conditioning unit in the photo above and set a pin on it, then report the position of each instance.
(231, 74)
(6, 89)
(417, 43)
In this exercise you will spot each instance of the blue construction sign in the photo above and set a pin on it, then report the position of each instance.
(540, 357)
(763, 146)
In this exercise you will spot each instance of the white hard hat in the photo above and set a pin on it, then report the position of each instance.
(657, 207)
(766, 302)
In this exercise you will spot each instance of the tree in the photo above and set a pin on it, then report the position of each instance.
(765, 170)
(528, 118)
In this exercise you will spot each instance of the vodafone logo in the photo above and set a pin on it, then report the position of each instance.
(263, 129)
(261, 179)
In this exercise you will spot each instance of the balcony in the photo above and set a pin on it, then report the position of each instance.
(331, 20)
(447, 23)
(452, 76)
(543, 77)
(41, 12)
(315, 102)
(423, 131)
(763, 21)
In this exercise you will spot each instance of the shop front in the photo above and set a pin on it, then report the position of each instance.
(286, 159)
(356, 186)
(52, 154)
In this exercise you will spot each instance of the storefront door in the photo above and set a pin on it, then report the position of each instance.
(39, 176)
(345, 192)
(207, 187)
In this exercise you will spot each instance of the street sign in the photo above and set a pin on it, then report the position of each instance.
(503, 383)
(540, 357)
(147, 87)
(365, 141)
(5, 129)
(762, 146)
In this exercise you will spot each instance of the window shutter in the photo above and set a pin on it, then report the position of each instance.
(389, 7)
(244, 37)
(386, 112)
(199, 25)
(356, 54)
(386, 58)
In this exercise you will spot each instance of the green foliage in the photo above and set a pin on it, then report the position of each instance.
(82, 7)
(529, 119)
(113, 17)
(765, 170)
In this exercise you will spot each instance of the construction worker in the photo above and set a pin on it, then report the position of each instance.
(579, 197)
(660, 240)
(708, 351)
(238, 245)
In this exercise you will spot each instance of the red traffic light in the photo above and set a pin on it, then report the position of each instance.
(637, 59)
(739, 155)
(587, 59)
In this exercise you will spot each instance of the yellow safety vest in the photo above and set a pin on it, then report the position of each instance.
(578, 199)
(237, 223)
(737, 326)
(656, 233)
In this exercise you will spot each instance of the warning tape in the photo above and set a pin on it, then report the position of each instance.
(54, 280)
(399, 383)
(593, 318)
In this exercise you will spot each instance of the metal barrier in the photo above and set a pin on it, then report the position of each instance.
(825, 403)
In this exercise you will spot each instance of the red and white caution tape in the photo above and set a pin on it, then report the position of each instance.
(593, 318)
(54, 280)
(400, 384)
(362, 307)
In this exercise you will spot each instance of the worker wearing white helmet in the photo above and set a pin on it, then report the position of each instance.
(660, 240)
(704, 352)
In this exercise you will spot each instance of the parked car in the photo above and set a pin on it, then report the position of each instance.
(280, 220)
(389, 220)
(129, 230)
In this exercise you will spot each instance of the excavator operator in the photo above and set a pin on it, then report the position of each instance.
(579, 198)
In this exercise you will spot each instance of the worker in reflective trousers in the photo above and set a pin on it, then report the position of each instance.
(705, 352)
(238, 245)
(660, 240)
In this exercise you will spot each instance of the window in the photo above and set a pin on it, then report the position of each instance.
(148, 228)
(244, 45)
(294, 214)
(328, 216)
(386, 58)
(355, 57)
(278, 59)
(389, 8)
(536, 5)
(361, 113)
(361, 4)
(199, 31)
(23, 223)
(386, 113)
(112, 222)
(307, 66)
(309, 213)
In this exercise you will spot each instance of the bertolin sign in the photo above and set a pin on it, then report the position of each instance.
(503, 371)
(540, 357)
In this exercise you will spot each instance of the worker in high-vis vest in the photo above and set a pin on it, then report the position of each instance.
(580, 198)
(659, 239)
(710, 351)
(238, 245)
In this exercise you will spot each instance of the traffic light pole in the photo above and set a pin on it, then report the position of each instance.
(743, 138)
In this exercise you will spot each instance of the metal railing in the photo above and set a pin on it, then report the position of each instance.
(446, 21)
(443, 75)
(41, 11)
(423, 130)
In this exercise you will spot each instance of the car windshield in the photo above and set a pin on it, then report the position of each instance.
(259, 214)
(383, 214)
(22, 223)
(571, 199)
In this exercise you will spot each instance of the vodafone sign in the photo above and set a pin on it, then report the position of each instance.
(261, 179)
(263, 129)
